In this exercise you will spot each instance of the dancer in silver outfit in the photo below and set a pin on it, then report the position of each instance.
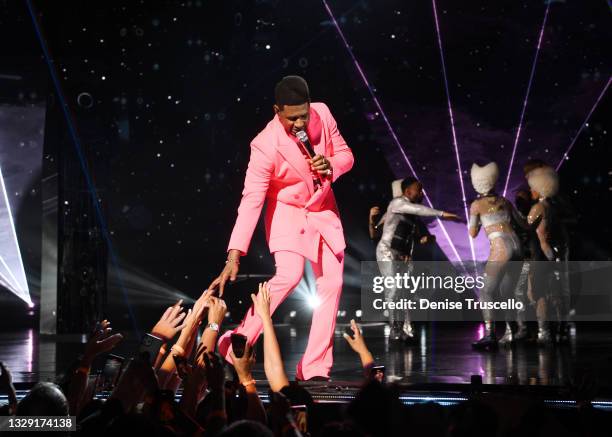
(496, 214)
(394, 251)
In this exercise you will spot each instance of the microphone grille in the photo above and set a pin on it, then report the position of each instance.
(302, 136)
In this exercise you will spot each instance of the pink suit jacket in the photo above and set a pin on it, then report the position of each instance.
(278, 173)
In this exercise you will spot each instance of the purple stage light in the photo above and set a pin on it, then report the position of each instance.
(386, 120)
(452, 122)
(586, 120)
(532, 74)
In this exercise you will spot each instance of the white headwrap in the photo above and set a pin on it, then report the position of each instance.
(485, 177)
(396, 187)
(544, 180)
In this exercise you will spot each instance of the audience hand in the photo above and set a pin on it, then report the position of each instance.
(194, 316)
(137, 381)
(357, 343)
(261, 302)
(214, 371)
(170, 322)
(244, 364)
(216, 310)
(101, 341)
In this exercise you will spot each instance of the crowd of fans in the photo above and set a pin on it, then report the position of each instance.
(222, 400)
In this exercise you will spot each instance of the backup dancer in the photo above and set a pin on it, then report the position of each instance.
(544, 184)
(402, 230)
(495, 213)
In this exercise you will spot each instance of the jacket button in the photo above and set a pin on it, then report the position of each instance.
(301, 231)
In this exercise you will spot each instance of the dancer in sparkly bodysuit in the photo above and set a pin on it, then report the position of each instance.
(495, 213)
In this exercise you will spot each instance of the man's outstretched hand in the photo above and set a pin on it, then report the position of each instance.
(230, 271)
(451, 216)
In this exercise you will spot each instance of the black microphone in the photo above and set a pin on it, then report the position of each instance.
(302, 137)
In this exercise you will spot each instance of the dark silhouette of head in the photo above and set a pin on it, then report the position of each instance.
(45, 399)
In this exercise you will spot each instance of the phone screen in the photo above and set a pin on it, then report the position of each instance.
(150, 347)
(93, 385)
(378, 373)
(111, 371)
(238, 344)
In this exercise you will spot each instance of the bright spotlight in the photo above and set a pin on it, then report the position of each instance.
(313, 301)
(358, 313)
(307, 288)
(12, 272)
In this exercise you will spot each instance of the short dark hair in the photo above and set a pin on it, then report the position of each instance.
(406, 182)
(291, 90)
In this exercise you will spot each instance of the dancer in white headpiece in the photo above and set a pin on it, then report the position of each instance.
(495, 213)
(544, 184)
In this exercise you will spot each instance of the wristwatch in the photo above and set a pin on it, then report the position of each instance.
(213, 326)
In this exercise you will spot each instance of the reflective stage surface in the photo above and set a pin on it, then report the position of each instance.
(443, 356)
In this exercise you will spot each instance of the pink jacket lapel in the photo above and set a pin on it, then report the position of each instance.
(292, 154)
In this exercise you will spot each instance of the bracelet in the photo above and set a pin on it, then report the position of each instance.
(231, 260)
(247, 383)
(177, 350)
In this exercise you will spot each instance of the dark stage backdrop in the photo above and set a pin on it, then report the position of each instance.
(182, 87)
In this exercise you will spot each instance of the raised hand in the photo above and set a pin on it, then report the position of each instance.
(216, 310)
(137, 381)
(195, 314)
(170, 322)
(101, 341)
(244, 364)
(357, 343)
(261, 302)
(214, 371)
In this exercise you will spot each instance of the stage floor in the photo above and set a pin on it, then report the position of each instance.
(444, 356)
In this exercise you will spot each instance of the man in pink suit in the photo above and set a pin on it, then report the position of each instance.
(301, 219)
